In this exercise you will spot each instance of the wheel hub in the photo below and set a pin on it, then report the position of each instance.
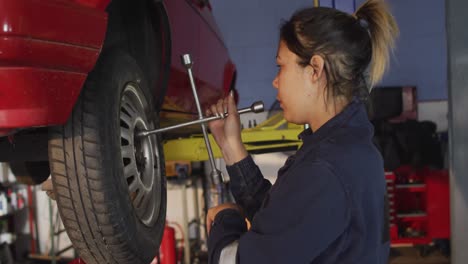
(140, 157)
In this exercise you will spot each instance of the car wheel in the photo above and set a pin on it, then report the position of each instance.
(110, 184)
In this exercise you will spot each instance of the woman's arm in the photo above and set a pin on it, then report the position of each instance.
(248, 185)
(304, 217)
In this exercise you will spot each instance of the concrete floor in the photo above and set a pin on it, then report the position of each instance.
(412, 256)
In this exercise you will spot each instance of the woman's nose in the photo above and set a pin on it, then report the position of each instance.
(275, 82)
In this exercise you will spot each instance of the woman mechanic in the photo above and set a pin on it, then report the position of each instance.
(328, 203)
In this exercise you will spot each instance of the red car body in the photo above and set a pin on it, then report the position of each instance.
(48, 47)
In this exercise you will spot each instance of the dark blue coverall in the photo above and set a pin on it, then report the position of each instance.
(328, 204)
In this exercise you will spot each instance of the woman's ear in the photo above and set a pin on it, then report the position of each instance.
(317, 63)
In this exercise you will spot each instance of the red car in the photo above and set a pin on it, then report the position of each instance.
(78, 79)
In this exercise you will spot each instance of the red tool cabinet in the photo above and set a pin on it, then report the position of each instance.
(419, 205)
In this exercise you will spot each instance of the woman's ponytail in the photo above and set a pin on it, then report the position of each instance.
(383, 30)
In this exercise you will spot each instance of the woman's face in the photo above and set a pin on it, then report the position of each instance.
(297, 92)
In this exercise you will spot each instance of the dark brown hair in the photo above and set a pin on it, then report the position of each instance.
(355, 47)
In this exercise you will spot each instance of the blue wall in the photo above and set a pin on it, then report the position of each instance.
(421, 55)
(250, 29)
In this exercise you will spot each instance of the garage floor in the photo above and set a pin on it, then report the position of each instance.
(411, 256)
(398, 256)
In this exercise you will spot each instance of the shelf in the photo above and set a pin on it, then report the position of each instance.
(410, 185)
(12, 213)
(411, 241)
(413, 187)
(46, 257)
(412, 216)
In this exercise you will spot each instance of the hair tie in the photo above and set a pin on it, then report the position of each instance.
(363, 23)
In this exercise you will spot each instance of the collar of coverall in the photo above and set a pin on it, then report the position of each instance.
(337, 121)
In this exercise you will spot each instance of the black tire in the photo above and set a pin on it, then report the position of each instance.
(425, 250)
(87, 158)
(444, 246)
(30, 172)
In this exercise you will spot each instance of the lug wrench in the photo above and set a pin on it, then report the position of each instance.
(216, 175)
(256, 107)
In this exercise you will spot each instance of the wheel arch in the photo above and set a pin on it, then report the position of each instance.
(142, 29)
(230, 79)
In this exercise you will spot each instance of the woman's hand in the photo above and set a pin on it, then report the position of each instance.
(212, 212)
(227, 131)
